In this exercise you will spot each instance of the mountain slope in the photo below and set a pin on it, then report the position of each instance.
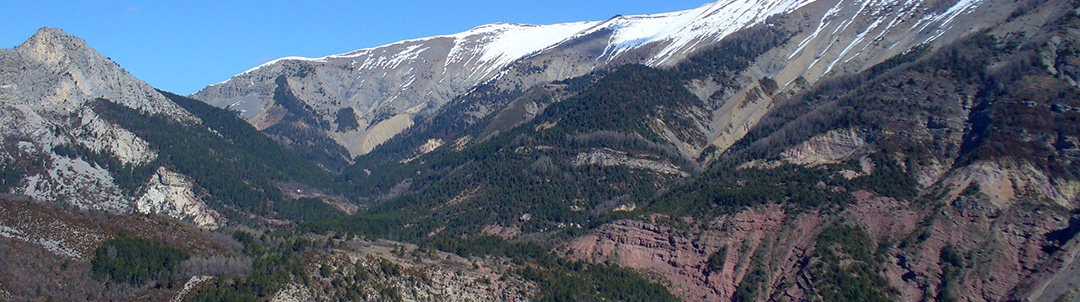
(363, 98)
(935, 162)
(115, 191)
(954, 170)
(47, 83)
(736, 81)
(79, 130)
(389, 88)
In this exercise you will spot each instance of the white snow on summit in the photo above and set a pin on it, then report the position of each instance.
(503, 43)
(497, 45)
(685, 29)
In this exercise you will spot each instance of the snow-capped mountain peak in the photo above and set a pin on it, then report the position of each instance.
(499, 44)
(391, 87)
(503, 43)
(684, 30)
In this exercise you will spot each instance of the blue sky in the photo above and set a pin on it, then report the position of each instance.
(182, 46)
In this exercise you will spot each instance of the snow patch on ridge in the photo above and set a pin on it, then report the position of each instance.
(684, 29)
(946, 18)
(502, 43)
(495, 46)
(410, 53)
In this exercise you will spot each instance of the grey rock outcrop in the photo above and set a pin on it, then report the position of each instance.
(46, 87)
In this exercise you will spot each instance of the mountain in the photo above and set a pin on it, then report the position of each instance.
(685, 110)
(771, 150)
(909, 179)
(844, 150)
(80, 130)
(362, 98)
(48, 85)
(113, 191)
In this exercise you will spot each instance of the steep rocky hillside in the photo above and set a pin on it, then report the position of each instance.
(361, 99)
(47, 84)
(631, 133)
(80, 130)
(950, 174)
(736, 75)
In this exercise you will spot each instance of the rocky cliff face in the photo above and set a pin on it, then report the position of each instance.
(1001, 261)
(173, 194)
(46, 85)
(608, 158)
